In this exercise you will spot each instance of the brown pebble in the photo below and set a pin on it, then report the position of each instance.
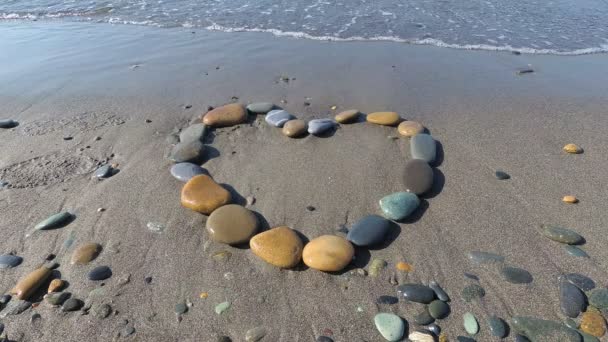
(56, 285)
(27, 285)
(570, 199)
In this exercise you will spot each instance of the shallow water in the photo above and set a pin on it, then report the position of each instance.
(529, 26)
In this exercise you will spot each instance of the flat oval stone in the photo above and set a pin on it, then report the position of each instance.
(328, 253)
(421, 336)
(472, 292)
(194, 132)
(593, 323)
(498, 327)
(384, 118)
(410, 128)
(470, 323)
(278, 117)
(561, 234)
(439, 309)
(516, 275)
(85, 253)
(573, 148)
(228, 115)
(232, 224)
(424, 147)
(388, 300)
(417, 176)
(347, 116)
(185, 171)
(416, 293)
(255, 334)
(187, 151)
(571, 298)
(10, 261)
(544, 330)
(582, 282)
(439, 292)
(576, 251)
(369, 230)
(279, 246)
(8, 123)
(294, 128)
(423, 317)
(55, 221)
(103, 171)
(100, 273)
(27, 285)
(320, 126)
(201, 193)
(260, 107)
(399, 205)
(485, 257)
(72, 304)
(390, 326)
(57, 298)
(599, 298)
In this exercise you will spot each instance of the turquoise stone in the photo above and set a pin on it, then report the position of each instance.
(470, 324)
(498, 327)
(390, 326)
(543, 330)
(55, 221)
(575, 251)
(423, 146)
(399, 205)
(598, 298)
(260, 107)
(561, 234)
(221, 307)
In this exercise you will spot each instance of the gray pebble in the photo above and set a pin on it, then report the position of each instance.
(103, 171)
(100, 273)
(181, 308)
(102, 311)
(191, 151)
(320, 126)
(10, 261)
(439, 292)
(194, 132)
(72, 304)
(516, 275)
(278, 117)
(57, 298)
(185, 171)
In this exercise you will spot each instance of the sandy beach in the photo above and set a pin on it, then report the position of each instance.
(87, 94)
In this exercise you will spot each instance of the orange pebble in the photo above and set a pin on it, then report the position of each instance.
(404, 266)
(570, 199)
(203, 295)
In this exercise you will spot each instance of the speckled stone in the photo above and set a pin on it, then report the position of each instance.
(484, 257)
(472, 292)
(370, 230)
(423, 317)
(390, 326)
(278, 246)
(232, 224)
(228, 115)
(194, 132)
(103, 171)
(54, 221)
(572, 299)
(498, 327)
(470, 323)
(593, 323)
(187, 151)
(384, 118)
(328, 253)
(201, 193)
(294, 128)
(260, 107)
(582, 282)
(320, 126)
(416, 293)
(399, 205)
(439, 292)
(347, 116)
(10, 261)
(543, 330)
(85, 253)
(410, 128)
(185, 171)
(561, 234)
(439, 309)
(72, 304)
(576, 251)
(417, 176)
(599, 298)
(255, 334)
(28, 284)
(516, 275)
(100, 273)
(278, 117)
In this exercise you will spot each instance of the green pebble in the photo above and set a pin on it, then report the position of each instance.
(221, 307)
(576, 251)
(376, 267)
(561, 234)
(390, 326)
(588, 338)
(598, 298)
(399, 205)
(439, 309)
(470, 324)
(55, 221)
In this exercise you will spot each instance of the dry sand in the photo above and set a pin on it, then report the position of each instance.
(89, 80)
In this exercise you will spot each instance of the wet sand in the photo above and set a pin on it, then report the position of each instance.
(87, 80)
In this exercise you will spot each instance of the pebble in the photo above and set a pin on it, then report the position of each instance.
(570, 199)
(128, 331)
(294, 128)
(56, 285)
(472, 292)
(570, 323)
(501, 175)
(439, 292)
(85, 253)
(279, 246)
(572, 299)
(588, 337)
(376, 266)
(187, 151)
(516, 275)
(498, 327)
(560, 234)
(185, 171)
(470, 324)
(15, 307)
(544, 330)
(471, 276)
(5, 299)
(593, 323)
(324, 339)
(404, 266)
(424, 147)
(255, 334)
(55, 221)
(202, 194)
(421, 336)
(485, 257)
(27, 285)
(194, 132)
(439, 309)
(410, 128)
(369, 230)
(232, 224)
(399, 205)
(582, 282)
(434, 328)
(423, 317)
(224, 339)
(573, 148)
(388, 300)
(8, 123)
(102, 311)
(222, 256)
(320, 126)
(384, 118)
(417, 176)
(228, 115)
(181, 308)
(10, 261)
(156, 227)
(103, 171)
(72, 304)
(260, 107)
(57, 298)
(221, 307)
(390, 326)
(278, 117)
(347, 116)
(416, 293)
(100, 273)
(599, 298)
(328, 253)
(521, 338)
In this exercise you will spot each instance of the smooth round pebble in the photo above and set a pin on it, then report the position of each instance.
(485, 257)
(582, 282)
(85, 253)
(202, 194)
(570, 199)
(573, 149)
(328, 253)
(320, 126)
(10, 261)
(383, 118)
(228, 115)
(294, 128)
(470, 324)
(194, 132)
(260, 107)
(572, 300)
(280, 246)
(369, 230)
(278, 117)
(416, 293)
(100, 273)
(103, 171)
(410, 128)
(255, 334)
(561, 234)
(439, 309)
(232, 224)
(390, 326)
(399, 205)
(187, 151)
(417, 176)
(185, 171)
(72, 304)
(8, 123)
(421, 336)
(423, 147)
(498, 327)
(347, 116)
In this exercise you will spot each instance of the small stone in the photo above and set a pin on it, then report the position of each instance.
(55, 221)
(194, 132)
(100, 273)
(418, 176)
(224, 339)
(470, 324)
(5, 299)
(201, 193)
(384, 118)
(222, 256)
(521, 338)
(472, 292)
(376, 267)
(232, 224)
(156, 227)
(416, 293)
(598, 298)
(260, 107)
(68, 138)
(148, 280)
(370, 230)
(570, 323)
(421, 336)
(434, 328)
(543, 330)
(572, 148)
(522, 71)
(294, 128)
(399, 205)
(582, 282)
(128, 331)
(103, 171)
(185, 171)
(422, 317)
(320, 126)
(27, 285)
(15, 307)
(188, 151)
(388, 300)
(57, 298)
(102, 311)
(570, 199)
(572, 299)
(85, 253)
(278, 117)
(10, 261)
(484, 257)
(498, 327)
(404, 266)
(328, 253)
(516, 275)
(324, 339)
(255, 334)
(560, 234)
(279, 246)
(501, 175)
(72, 304)
(181, 308)
(593, 323)
(221, 307)
(250, 200)
(439, 309)
(56, 285)
(228, 115)
(390, 326)
(310, 208)
(424, 147)
(8, 123)
(410, 128)
(439, 292)
(347, 116)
